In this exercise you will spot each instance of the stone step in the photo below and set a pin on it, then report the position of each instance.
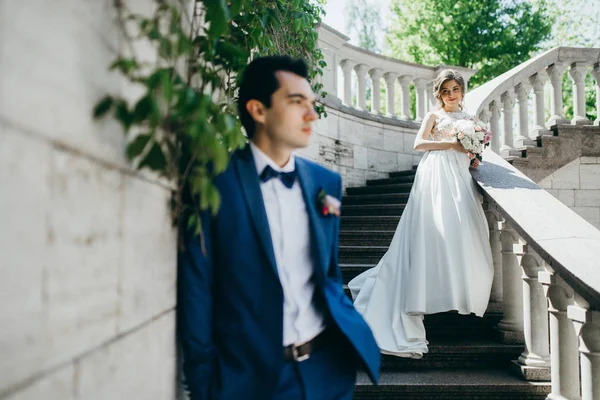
(454, 351)
(366, 238)
(380, 189)
(350, 270)
(369, 199)
(391, 181)
(403, 173)
(361, 254)
(460, 384)
(369, 223)
(373, 209)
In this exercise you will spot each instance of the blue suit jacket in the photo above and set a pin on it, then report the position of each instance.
(230, 300)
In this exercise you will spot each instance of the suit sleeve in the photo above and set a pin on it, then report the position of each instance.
(195, 313)
(334, 269)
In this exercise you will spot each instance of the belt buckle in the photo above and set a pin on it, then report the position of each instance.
(295, 355)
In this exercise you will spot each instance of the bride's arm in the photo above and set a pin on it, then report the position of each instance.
(422, 144)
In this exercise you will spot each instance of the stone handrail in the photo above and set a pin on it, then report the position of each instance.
(339, 53)
(547, 263)
(499, 96)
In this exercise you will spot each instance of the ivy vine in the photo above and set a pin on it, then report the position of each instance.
(184, 126)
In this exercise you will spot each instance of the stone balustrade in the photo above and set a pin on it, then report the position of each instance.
(546, 261)
(527, 89)
(348, 60)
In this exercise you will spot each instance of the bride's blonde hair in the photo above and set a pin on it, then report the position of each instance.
(445, 76)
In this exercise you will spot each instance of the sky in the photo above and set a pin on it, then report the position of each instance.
(336, 15)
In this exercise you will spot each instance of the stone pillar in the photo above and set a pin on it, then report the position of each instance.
(495, 223)
(596, 74)
(534, 363)
(587, 327)
(390, 80)
(564, 356)
(361, 73)
(495, 125)
(537, 82)
(376, 74)
(510, 328)
(347, 67)
(522, 95)
(420, 86)
(431, 101)
(555, 72)
(405, 84)
(577, 73)
(507, 112)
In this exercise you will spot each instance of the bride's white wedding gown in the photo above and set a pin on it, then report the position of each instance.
(439, 259)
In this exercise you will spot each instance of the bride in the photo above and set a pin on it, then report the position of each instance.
(440, 258)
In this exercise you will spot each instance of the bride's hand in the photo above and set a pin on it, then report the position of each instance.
(475, 163)
(458, 147)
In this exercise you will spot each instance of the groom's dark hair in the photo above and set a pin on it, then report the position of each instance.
(259, 82)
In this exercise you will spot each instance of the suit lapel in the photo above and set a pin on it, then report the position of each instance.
(250, 184)
(310, 192)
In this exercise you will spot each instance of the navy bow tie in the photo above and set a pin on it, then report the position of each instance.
(288, 178)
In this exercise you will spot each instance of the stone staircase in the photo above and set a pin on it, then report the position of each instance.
(465, 361)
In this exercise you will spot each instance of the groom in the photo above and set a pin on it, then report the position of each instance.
(262, 313)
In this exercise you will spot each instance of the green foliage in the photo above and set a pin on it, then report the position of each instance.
(490, 35)
(184, 126)
(363, 20)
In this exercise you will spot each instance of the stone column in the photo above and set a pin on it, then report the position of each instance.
(420, 86)
(495, 125)
(537, 82)
(521, 92)
(596, 74)
(555, 72)
(361, 73)
(587, 327)
(577, 73)
(431, 101)
(390, 80)
(564, 356)
(347, 67)
(495, 224)
(510, 328)
(534, 363)
(405, 84)
(376, 74)
(507, 112)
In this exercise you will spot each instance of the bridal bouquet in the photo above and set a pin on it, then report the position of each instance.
(473, 135)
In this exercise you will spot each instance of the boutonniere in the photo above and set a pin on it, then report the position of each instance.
(329, 204)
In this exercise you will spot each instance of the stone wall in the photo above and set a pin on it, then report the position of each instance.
(577, 185)
(360, 145)
(87, 252)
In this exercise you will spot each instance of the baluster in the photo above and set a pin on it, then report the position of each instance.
(507, 112)
(431, 102)
(596, 74)
(563, 339)
(405, 84)
(361, 73)
(537, 82)
(421, 98)
(347, 67)
(495, 125)
(577, 73)
(495, 224)
(522, 95)
(534, 363)
(510, 327)
(390, 80)
(555, 72)
(587, 327)
(376, 74)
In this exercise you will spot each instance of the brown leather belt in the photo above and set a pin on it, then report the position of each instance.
(302, 352)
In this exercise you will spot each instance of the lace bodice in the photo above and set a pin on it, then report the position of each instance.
(443, 125)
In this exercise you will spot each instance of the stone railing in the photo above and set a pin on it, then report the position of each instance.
(346, 58)
(496, 101)
(546, 260)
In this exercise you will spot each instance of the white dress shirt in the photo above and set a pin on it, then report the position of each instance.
(290, 233)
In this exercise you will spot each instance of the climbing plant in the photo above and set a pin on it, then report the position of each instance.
(184, 126)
